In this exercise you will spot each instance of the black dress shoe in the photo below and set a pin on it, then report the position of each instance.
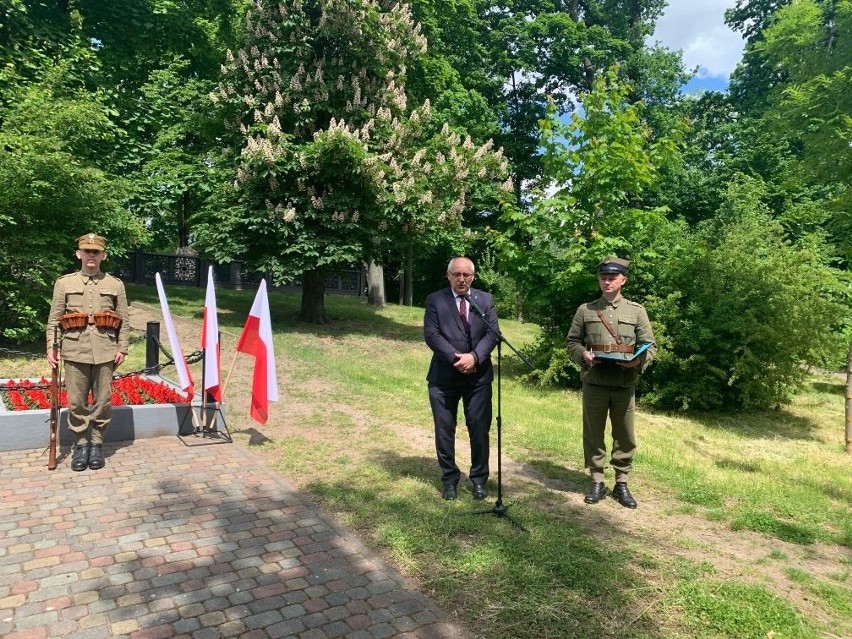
(597, 492)
(622, 495)
(449, 492)
(80, 459)
(96, 457)
(479, 491)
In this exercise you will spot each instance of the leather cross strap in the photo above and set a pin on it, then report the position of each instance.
(613, 348)
(611, 330)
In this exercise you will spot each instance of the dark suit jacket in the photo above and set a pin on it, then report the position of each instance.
(445, 335)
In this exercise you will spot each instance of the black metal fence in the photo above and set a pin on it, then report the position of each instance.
(140, 267)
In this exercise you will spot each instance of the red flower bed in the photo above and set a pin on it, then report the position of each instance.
(126, 391)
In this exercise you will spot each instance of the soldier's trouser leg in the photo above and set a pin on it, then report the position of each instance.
(102, 392)
(620, 404)
(595, 411)
(79, 380)
(622, 413)
(77, 384)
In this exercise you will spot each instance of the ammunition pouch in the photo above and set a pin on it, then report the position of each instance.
(72, 321)
(108, 319)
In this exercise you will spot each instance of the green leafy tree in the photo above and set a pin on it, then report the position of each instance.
(159, 60)
(332, 158)
(174, 174)
(754, 77)
(547, 52)
(53, 192)
(807, 41)
(601, 166)
(151, 63)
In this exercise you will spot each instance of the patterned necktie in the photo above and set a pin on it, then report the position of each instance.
(465, 323)
(463, 313)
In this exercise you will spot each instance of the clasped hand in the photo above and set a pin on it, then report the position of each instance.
(465, 363)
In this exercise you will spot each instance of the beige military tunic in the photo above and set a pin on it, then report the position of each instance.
(89, 350)
(81, 293)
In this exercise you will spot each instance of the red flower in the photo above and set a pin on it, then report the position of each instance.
(126, 391)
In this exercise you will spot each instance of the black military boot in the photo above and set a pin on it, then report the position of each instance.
(80, 459)
(96, 457)
(597, 492)
(622, 495)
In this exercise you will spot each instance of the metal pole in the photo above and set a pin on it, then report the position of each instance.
(152, 345)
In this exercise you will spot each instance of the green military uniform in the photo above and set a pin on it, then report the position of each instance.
(607, 387)
(89, 351)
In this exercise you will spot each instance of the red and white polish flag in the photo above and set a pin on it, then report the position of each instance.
(184, 376)
(210, 342)
(256, 340)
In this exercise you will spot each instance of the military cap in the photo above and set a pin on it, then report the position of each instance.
(91, 242)
(613, 264)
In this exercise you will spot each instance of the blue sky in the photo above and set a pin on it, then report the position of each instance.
(698, 29)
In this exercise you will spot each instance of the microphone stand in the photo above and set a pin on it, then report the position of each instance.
(499, 509)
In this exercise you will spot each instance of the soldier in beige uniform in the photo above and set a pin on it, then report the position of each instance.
(610, 324)
(90, 307)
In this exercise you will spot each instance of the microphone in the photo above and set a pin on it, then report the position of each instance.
(474, 306)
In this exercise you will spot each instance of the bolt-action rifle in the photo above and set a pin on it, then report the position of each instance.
(54, 403)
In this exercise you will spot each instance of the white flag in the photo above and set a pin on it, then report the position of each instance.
(210, 342)
(184, 376)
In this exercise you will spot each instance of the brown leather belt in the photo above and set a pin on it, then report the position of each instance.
(612, 348)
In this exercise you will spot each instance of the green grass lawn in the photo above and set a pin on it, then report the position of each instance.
(744, 528)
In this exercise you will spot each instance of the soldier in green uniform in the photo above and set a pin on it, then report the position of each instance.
(611, 326)
(91, 308)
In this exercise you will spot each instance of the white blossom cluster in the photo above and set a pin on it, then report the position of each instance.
(287, 92)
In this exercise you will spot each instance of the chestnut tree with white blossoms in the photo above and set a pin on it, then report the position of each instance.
(332, 163)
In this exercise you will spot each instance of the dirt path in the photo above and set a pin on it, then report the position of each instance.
(741, 555)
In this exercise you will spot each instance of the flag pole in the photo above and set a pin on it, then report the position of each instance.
(228, 378)
(184, 375)
(195, 421)
(206, 425)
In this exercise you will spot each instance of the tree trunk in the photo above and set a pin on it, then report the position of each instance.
(409, 276)
(849, 402)
(313, 297)
(375, 284)
(574, 10)
(183, 216)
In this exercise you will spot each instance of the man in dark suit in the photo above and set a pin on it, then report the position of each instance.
(455, 327)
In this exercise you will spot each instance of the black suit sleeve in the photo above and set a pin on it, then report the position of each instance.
(432, 332)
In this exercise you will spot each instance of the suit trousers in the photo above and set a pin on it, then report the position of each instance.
(620, 404)
(476, 399)
(79, 380)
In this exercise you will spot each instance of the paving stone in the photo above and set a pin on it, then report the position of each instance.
(156, 546)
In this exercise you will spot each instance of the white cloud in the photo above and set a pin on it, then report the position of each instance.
(697, 27)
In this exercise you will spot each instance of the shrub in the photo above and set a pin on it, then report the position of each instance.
(743, 312)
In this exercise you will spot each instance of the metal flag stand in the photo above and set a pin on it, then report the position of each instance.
(209, 422)
(206, 424)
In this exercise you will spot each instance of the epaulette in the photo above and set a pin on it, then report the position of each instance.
(62, 277)
(632, 302)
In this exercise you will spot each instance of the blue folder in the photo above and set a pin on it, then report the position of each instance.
(624, 357)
